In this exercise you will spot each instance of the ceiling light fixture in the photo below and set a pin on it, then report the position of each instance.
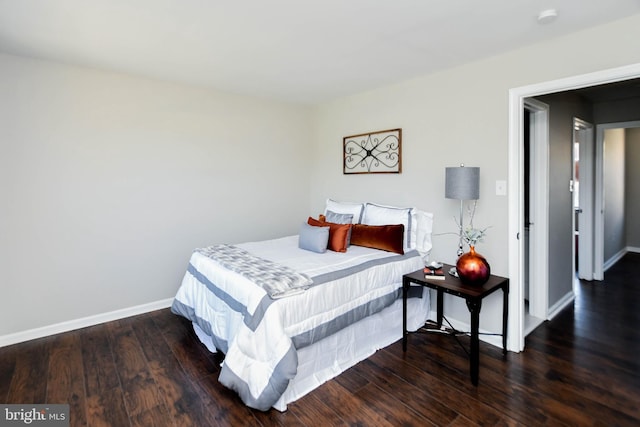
(547, 16)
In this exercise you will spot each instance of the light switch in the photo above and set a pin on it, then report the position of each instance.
(501, 188)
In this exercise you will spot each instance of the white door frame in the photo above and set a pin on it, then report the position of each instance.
(599, 204)
(516, 206)
(538, 209)
(586, 189)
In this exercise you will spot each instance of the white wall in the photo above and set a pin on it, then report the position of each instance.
(457, 115)
(108, 182)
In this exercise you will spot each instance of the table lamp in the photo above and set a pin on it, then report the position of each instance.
(462, 183)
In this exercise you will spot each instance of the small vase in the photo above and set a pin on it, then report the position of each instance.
(473, 269)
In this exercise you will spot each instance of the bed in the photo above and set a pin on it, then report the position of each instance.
(289, 315)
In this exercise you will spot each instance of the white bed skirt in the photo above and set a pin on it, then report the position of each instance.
(328, 358)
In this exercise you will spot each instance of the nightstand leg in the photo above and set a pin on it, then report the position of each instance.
(440, 304)
(405, 290)
(505, 316)
(474, 357)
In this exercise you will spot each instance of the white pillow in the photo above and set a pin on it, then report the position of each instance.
(387, 215)
(354, 209)
(418, 224)
(423, 222)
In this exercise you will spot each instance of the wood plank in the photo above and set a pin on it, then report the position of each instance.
(560, 379)
(65, 382)
(407, 392)
(227, 407)
(8, 356)
(29, 381)
(194, 357)
(139, 387)
(353, 410)
(437, 386)
(185, 403)
(97, 359)
(521, 398)
(155, 417)
(309, 409)
(392, 409)
(107, 409)
(275, 418)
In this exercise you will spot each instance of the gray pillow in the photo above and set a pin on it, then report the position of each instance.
(338, 218)
(313, 238)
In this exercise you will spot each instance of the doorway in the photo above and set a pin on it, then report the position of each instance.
(582, 187)
(601, 261)
(536, 212)
(517, 97)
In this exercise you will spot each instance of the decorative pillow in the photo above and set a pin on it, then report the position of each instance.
(313, 239)
(388, 215)
(385, 237)
(345, 208)
(338, 234)
(339, 218)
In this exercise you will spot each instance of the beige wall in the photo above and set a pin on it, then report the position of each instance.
(108, 182)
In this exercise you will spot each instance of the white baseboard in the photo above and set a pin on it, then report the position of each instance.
(633, 249)
(495, 340)
(562, 303)
(84, 322)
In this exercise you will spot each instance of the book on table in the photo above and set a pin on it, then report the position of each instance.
(434, 273)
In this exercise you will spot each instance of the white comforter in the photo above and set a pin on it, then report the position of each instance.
(260, 335)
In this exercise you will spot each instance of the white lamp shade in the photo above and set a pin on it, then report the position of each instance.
(462, 183)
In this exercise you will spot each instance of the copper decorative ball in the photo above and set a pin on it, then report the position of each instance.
(473, 269)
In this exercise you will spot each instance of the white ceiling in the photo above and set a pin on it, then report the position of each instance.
(305, 51)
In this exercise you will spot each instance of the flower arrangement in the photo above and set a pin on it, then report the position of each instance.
(471, 235)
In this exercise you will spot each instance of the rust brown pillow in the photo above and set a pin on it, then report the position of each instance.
(385, 237)
(338, 234)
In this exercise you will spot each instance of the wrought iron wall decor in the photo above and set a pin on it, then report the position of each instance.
(374, 152)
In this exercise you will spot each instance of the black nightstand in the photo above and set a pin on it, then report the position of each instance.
(473, 296)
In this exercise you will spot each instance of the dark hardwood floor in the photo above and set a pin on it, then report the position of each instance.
(582, 368)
